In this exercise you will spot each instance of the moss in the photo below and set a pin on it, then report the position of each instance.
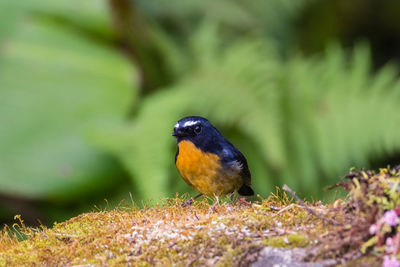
(230, 257)
(294, 240)
(371, 261)
(168, 234)
(163, 235)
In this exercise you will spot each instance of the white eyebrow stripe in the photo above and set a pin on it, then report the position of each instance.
(190, 123)
(176, 125)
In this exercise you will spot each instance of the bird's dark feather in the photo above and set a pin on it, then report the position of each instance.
(214, 142)
(232, 156)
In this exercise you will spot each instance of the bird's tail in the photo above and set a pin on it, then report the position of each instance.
(246, 190)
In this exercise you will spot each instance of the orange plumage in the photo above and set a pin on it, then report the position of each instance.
(203, 171)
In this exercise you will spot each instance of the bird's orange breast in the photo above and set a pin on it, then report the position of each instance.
(203, 171)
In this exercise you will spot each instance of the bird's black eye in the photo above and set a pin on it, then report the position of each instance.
(197, 129)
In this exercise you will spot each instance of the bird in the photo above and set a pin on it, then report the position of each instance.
(208, 162)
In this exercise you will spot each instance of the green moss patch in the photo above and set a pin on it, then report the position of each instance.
(226, 235)
(163, 235)
(293, 240)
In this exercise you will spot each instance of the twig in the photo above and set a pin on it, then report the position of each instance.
(293, 194)
(288, 208)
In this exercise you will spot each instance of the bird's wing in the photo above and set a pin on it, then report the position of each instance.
(233, 159)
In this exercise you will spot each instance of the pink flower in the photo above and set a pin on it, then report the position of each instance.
(373, 229)
(390, 262)
(390, 218)
(389, 245)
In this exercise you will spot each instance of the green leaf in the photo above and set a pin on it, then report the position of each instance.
(371, 242)
(89, 15)
(56, 87)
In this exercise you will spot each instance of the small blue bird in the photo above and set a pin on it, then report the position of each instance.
(208, 162)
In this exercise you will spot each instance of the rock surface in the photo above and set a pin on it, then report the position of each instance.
(281, 257)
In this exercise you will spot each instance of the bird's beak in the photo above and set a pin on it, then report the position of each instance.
(177, 133)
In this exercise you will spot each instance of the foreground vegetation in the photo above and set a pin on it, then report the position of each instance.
(166, 234)
(361, 228)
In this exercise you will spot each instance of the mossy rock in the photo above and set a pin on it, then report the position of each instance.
(226, 235)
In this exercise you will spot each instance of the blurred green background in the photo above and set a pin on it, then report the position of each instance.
(90, 91)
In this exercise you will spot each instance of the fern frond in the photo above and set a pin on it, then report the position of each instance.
(309, 119)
